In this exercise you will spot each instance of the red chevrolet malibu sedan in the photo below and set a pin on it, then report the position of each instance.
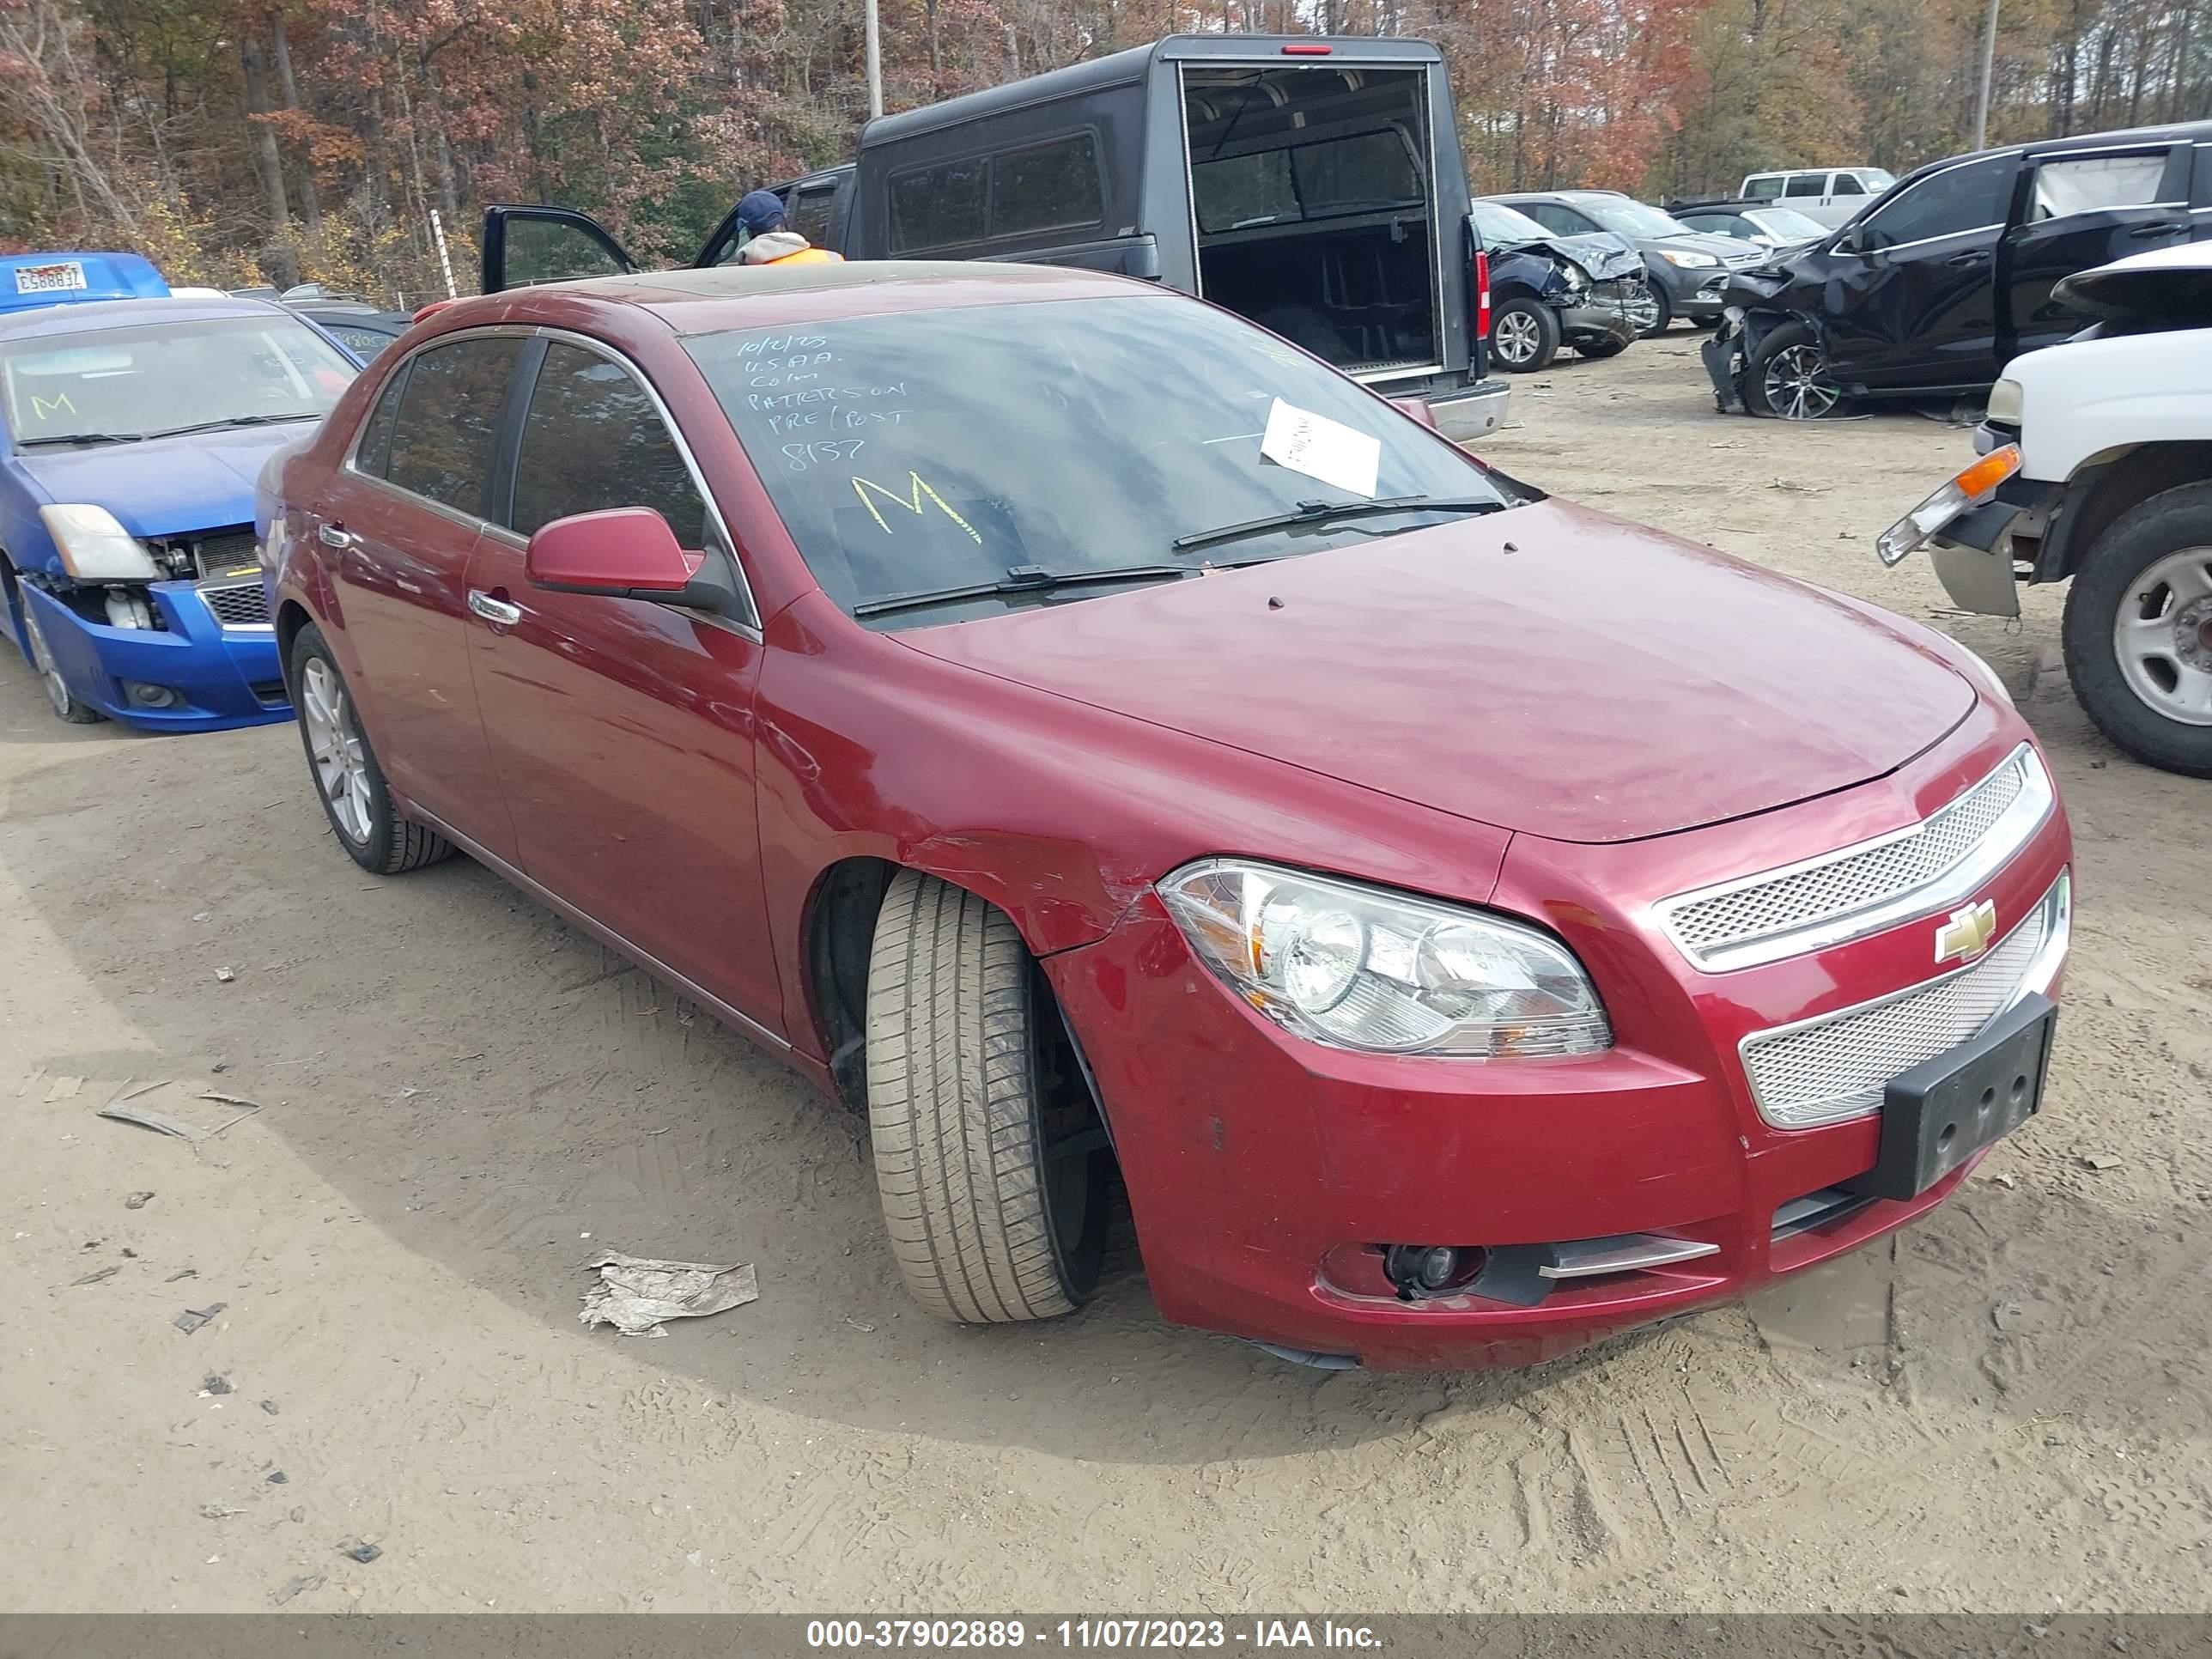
(1084, 732)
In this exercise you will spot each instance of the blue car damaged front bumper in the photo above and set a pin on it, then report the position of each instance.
(218, 676)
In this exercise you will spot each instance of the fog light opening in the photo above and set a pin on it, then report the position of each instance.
(142, 696)
(1417, 1272)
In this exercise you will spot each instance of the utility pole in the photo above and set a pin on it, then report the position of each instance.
(1981, 102)
(876, 62)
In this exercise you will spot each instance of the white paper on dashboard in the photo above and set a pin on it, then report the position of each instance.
(1323, 448)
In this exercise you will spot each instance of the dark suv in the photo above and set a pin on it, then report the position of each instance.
(1948, 275)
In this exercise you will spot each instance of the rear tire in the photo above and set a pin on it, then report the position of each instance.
(1524, 336)
(2138, 631)
(348, 781)
(967, 1101)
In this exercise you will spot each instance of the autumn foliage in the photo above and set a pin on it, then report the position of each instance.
(236, 142)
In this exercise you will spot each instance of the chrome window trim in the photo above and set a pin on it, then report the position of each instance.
(2053, 913)
(750, 624)
(2012, 831)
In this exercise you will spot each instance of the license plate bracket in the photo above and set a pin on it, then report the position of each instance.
(1941, 1112)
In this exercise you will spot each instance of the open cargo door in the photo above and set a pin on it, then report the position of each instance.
(1314, 201)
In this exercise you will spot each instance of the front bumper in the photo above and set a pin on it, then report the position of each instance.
(1262, 1170)
(1598, 321)
(222, 677)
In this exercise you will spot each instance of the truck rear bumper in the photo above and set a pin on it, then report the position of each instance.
(1469, 412)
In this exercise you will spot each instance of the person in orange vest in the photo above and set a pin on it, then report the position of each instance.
(770, 242)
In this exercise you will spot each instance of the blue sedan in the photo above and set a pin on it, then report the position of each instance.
(131, 433)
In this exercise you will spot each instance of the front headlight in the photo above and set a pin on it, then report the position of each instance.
(1681, 259)
(95, 547)
(1358, 967)
(2006, 399)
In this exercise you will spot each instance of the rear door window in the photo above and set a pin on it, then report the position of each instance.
(1807, 183)
(807, 212)
(2094, 182)
(1048, 186)
(1974, 195)
(592, 439)
(441, 438)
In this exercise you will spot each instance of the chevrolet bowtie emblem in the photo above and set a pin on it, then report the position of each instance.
(1967, 933)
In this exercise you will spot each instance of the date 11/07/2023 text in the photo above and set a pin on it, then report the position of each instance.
(1085, 1634)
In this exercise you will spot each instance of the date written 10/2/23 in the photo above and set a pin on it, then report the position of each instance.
(1088, 1633)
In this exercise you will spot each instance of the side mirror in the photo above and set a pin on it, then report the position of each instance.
(1418, 409)
(622, 553)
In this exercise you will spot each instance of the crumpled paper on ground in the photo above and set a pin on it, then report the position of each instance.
(635, 1294)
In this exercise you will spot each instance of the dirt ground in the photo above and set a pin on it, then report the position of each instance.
(464, 1099)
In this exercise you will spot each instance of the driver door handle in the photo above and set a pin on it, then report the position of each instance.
(494, 611)
(1972, 256)
(2145, 232)
(332, 535)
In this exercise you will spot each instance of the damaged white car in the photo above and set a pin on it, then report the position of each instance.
(2096, 465)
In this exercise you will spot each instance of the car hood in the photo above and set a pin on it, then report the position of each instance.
(165, 486)
(1602, 254)
(1548, 670)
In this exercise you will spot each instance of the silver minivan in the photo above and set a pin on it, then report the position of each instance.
(1828, 195)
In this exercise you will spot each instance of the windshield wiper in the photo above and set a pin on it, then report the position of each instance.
(1020, 579)
(234, 420)
(84, 438)
(1325, 512)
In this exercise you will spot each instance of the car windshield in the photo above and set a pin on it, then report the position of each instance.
(1630, 217)
(1785, 224)
(923, 451)
(1501, 225)
(147, 378)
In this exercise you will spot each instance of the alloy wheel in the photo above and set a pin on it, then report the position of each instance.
(42, 660)
(341, 764)
(1516, 341)
(2162, 636)
(1798, 386)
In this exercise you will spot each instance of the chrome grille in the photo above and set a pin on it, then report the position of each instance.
(1858, 891)
(1836, 1066)
(237, 604)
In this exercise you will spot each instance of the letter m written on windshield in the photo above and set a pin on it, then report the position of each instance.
(918, 491)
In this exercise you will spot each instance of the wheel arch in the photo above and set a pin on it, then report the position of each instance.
(2107, 487)
(291, 617)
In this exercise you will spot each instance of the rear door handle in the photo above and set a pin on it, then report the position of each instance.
(494, 611)
(332, 536)
(1972, 256)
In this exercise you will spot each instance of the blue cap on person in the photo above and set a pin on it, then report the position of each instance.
(761, 211)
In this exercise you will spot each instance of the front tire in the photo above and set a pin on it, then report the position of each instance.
(2138, 631)
(1524, 337)
(1663, 309)
(990, 1160)
(1788, 376)
(66, 705)
(350, 784)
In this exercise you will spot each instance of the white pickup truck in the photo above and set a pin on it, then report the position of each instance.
(2096, 464)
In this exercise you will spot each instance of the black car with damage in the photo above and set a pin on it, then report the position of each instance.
(1949, 274)
(1548, 291)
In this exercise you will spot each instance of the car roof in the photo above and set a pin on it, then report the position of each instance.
(120, 313)
(720, 297)
(1130, 66)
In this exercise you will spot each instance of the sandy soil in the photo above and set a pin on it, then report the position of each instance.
(464, 1099)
